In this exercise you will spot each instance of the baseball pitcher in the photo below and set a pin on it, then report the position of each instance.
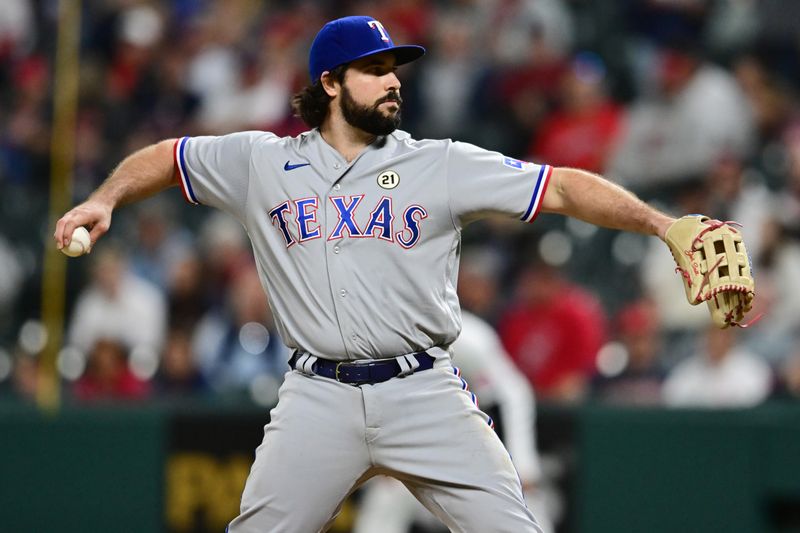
(356, 231)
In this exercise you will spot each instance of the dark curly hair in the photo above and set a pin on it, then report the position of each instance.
(312, 102)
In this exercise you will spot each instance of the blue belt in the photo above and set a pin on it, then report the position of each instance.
(363, 373)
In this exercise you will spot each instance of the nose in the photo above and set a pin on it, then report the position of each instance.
(392, 82)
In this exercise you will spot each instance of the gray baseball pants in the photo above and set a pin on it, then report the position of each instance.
(326, 438)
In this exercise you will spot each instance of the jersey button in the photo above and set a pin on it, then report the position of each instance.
(337, 166)
(336, 249)
(337, 187)
(342, 293)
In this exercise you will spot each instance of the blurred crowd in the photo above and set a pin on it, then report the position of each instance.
(692, 104)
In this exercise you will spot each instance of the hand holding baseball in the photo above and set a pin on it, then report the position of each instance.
(85, 224)
(79, 244)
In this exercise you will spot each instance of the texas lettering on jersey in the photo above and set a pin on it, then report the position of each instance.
(302, 215)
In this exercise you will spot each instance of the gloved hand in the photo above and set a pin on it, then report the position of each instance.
(714, 265)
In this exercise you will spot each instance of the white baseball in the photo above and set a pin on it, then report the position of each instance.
(79, 244)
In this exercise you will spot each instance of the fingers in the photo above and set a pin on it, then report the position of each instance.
(64, 228)
(96, 231)
(94, 217)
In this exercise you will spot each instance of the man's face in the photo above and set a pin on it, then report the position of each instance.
(370, 97)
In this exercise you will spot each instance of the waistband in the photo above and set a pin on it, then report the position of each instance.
(362, 373)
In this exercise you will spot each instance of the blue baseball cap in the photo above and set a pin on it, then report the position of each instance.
(347, 39)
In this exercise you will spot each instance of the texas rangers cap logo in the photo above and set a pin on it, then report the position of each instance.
(388, 179)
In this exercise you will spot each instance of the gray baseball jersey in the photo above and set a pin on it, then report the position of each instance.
(359, 259)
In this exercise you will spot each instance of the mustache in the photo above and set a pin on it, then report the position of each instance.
(391, 96)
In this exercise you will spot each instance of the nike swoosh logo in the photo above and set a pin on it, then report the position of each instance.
(288, 166)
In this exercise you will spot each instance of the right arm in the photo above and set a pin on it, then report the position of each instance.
(140, 175)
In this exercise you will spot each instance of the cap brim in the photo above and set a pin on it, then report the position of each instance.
(405, 53)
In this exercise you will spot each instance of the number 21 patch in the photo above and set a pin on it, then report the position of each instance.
(388, 179)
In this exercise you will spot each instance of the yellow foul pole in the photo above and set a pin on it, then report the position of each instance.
(62, 150)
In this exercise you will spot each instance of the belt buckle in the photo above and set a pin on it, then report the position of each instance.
(336, 375)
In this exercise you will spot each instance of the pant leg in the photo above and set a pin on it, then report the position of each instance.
(312, 456)
(436, 440)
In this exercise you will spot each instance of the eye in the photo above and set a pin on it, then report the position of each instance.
(381, 70)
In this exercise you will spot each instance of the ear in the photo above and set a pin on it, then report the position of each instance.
(329, 85)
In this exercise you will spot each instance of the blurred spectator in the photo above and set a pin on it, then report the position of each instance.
(25, 128)
(213, 69)
(160, 245)
(529, 63)
(178, 374)
(732, 26)
(582, 130)
(10, 283)
(174, 106)
(478, 280)
(244, 88)
(777, 295)
(722, 373)
(697, 114)
(259, 95)
(448, 80)
(225, 252)
(552, 331)
(516, 24)
(778, 28)
(787, 210)
(118, 306)
(108, 376)
(630, 371)
(788, 384)
(139, 30)
(131, 82)
(736, 194)
(17, 29)
(187, 295)
(769, 96)
(25, 376)
(237, 344)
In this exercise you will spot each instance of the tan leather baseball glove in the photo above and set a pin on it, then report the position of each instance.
(714, 266)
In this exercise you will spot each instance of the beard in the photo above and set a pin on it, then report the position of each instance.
(369, 118)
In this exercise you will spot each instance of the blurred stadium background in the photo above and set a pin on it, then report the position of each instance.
(134, 382)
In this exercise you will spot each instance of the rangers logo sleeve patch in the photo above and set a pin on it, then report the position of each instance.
(513, 163)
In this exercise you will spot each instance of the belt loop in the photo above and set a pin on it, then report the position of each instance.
(305, 364)
(408, 364)
(308, 365)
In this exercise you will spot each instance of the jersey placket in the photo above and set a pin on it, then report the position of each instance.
(338, 263)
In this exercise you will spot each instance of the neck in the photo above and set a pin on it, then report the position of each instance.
(343, 137)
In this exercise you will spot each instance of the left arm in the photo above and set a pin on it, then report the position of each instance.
(591, 198)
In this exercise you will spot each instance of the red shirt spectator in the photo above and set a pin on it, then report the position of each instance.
(553, 333)
(108, 376)
(582, 131)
